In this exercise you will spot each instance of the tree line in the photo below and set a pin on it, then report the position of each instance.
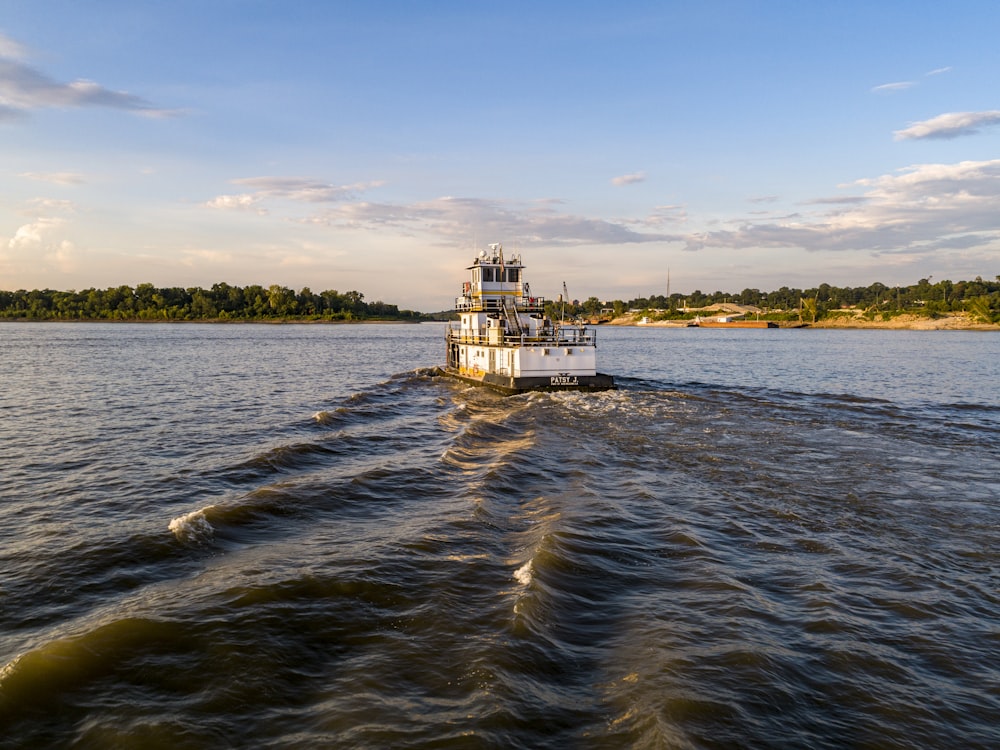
(221, 302)
(979, 297)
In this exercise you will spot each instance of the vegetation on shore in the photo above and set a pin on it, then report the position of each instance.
(220, 303)
(978, 299)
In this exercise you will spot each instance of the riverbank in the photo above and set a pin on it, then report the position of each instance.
(221, 321)
(954, 322)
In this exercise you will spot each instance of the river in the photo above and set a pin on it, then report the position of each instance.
(291, 536)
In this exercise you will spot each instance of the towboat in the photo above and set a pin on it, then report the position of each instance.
(504, 340)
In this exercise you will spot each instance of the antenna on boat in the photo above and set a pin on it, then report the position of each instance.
(562, 313)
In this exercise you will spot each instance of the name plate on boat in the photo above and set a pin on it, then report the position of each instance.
(564, 380)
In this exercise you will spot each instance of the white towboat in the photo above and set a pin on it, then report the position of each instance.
(505, 341)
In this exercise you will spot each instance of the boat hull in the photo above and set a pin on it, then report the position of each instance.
(510, 385)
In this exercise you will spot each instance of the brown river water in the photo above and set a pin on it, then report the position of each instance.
(231, 536)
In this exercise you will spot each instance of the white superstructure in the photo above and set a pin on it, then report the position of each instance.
(503, 338)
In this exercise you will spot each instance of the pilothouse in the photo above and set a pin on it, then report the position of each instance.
(505, 341)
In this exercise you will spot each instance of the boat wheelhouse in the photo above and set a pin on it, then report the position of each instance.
(504, 340)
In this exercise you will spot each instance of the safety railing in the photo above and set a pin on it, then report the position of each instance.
(557, 336)
(495, 304)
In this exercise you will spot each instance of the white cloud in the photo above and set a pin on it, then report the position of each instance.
(243, 202)
(32, 236)
(297, 189)
(35, 246)
(949, 125)
(629, 179)
(304, 189)
(887, 88)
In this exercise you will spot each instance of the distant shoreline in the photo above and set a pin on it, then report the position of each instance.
(958, 322)
(216, 321)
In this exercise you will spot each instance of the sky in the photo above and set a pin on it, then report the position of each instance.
(375, 145)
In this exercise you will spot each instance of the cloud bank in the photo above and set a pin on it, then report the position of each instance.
(918, 210)
(452, 220)
(449, 219)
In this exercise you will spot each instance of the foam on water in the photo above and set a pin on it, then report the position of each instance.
(523, 574)
(193, 527)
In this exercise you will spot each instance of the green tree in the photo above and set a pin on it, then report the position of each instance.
(309, 303)
(280, 299)
(254, 301)
(202, 306)
(354, 302)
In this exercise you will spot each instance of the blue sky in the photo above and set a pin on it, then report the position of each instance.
(373, 145)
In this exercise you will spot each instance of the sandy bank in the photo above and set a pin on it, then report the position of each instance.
(955, 322)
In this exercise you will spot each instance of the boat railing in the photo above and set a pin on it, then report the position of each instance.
(495, 304)
(558, 336)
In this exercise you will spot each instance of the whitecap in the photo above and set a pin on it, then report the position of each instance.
(523, 574)
(192, 527)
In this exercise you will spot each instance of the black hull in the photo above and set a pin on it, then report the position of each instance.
(510, 385)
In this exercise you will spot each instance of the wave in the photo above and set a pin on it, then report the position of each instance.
(193, 527)
(389, 399)
(284, 458)
(523, 574)
(40, 680)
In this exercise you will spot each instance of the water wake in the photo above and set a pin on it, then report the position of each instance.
(193, 527)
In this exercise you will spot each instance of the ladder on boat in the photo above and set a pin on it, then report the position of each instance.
(513, 321)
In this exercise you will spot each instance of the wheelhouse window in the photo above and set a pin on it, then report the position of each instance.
(513, 274)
